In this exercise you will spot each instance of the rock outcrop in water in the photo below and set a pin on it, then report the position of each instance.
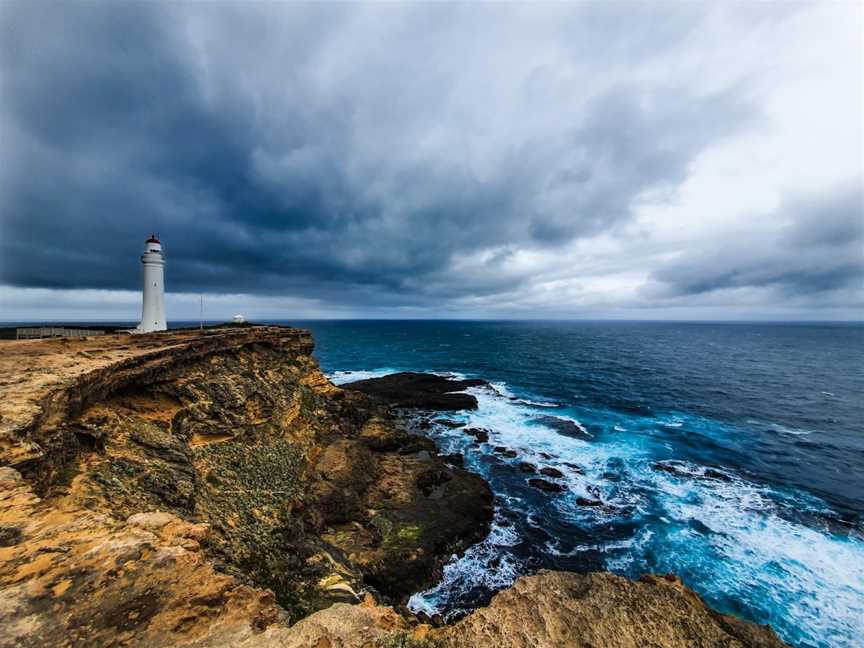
(419, 390)
(213, 488)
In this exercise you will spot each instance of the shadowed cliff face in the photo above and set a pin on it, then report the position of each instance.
(214, 489)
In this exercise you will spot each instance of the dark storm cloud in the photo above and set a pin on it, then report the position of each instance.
(289, 148)
(820, 249)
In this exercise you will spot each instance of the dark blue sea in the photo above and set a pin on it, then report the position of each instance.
(729, 454)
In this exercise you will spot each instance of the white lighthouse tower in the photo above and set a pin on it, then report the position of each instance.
(153, 305)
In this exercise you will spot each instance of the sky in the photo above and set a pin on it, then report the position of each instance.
(570, 160)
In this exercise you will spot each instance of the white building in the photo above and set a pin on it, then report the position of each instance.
(153, 304)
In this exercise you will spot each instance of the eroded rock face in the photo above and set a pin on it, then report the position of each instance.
(80, 578)
(307, 490)
(562, 609)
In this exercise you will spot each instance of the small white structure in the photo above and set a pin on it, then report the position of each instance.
(238, 319)
(153, 304)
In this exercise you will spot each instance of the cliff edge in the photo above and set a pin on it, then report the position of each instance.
(213, 488)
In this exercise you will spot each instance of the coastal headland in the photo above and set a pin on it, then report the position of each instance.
(213, 488)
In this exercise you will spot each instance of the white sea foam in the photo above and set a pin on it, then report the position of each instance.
(485, 565)
(508, 422)
(602, 547)
(532, 403)
(342, 377)
(781, 429)
(803, 577)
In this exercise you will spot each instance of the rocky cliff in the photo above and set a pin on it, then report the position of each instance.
(214, 489)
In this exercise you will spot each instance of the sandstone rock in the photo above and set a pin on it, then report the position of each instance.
(153, 521)
(584, 501)
(566, 610)
(238, 430)
(82, 578)
(346, 462)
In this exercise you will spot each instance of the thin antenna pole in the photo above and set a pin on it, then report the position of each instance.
(202, 311)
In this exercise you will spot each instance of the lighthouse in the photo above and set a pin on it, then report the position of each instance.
(153, 304)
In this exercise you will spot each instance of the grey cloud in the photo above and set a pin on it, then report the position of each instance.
(819, 250)
(352, 153)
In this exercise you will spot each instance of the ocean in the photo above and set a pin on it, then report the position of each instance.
(729, 454)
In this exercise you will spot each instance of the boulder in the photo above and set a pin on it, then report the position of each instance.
(564, 426)
(450, 423)
(547, 486)
(584, 501)
(480, 435)
(505, 452)
(551, 472)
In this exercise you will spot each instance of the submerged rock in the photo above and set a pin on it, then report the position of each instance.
(564, 426)
(551, 472)
(480, 435)
(449, 423)
(684, 471)
(454, 459)
(544, 485)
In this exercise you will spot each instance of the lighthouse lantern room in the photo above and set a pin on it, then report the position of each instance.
(153, 304)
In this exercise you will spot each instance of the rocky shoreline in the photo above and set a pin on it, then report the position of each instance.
(215, 489)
